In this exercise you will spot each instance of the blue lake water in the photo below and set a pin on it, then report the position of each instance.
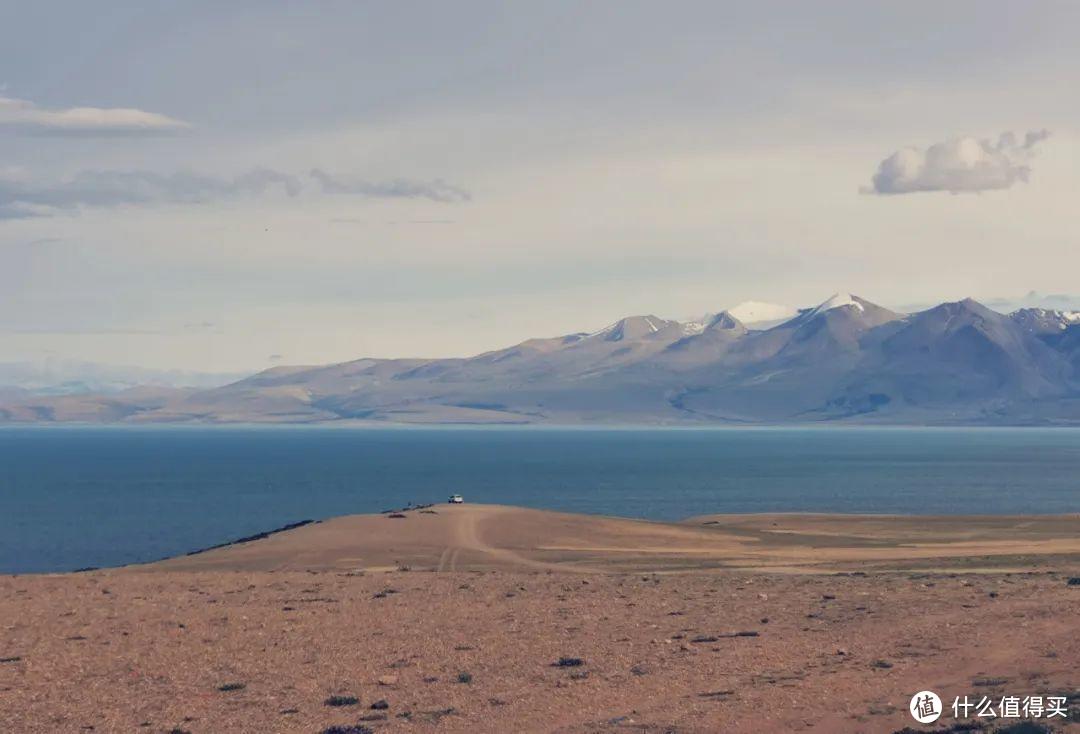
(77, 497)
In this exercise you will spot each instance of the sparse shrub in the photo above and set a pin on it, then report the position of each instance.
(569, 662)
(342, 701)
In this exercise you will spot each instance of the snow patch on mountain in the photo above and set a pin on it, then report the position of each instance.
(632, 327)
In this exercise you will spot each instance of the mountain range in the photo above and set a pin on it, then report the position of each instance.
(844, 360)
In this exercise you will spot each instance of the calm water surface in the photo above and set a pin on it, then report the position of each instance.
(78, 497)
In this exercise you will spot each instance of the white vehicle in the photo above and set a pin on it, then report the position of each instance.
(456, 499)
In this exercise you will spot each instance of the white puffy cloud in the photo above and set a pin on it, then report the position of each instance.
(960, 164)
(26, 116)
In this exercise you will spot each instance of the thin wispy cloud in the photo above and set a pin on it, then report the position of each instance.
(24, 116)
(75, 331)
(22, 198)
(958, 165)
(437, 190)
(356, 220)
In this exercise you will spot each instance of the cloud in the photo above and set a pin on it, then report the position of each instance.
(23, 198)
(20, 198)
(26, 116)
(77, 330)
(357, 220)
(436, 190)
(960, 164)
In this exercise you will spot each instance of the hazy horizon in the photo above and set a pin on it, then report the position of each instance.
(62, 367)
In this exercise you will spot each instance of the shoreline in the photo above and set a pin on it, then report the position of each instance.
(893, 529)
(347, 424)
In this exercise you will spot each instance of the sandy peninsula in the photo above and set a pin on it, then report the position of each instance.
(497, 619)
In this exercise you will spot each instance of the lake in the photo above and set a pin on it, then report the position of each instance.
(74, 497)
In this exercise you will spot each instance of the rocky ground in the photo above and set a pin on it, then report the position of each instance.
(506, 651)
(496, 619)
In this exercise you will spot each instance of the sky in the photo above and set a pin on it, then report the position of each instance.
(232, 186)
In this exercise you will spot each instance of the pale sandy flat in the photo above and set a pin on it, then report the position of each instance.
(487, 537)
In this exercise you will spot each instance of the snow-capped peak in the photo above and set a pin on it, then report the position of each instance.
(1066, 318)
(836, 301)
(1045, 320)
(839, 300)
